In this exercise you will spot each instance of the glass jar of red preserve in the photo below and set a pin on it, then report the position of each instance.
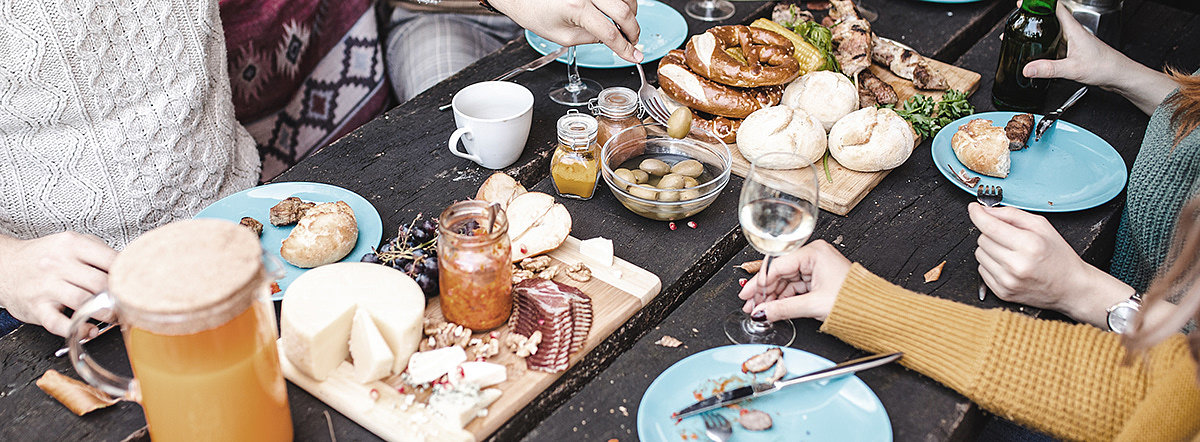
(475, 269)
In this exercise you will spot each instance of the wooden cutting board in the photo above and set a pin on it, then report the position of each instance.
(848, 187)
(617, 293)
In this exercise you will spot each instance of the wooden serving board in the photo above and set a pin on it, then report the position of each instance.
(849, 187)
(617, 293)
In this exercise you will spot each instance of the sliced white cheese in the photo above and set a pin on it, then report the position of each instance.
(483, 374)
(462, 403)
(599, 250)
(426, 366)
(372, 358)
(318, 310)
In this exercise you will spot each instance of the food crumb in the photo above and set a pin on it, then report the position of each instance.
(624, 411)
(668, 341)
(838, 241)
(1050, 203)
(934, 273)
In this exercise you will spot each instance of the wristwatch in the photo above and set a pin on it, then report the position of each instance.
(1121, 313)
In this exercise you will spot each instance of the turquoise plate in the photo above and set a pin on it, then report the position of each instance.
(663, 29)
(842, 409)
(256, 202)
(1069, 169)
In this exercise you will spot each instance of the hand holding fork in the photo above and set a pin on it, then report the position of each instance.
(990, 196)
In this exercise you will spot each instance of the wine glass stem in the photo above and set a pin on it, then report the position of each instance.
(763, 325)
(573, 82)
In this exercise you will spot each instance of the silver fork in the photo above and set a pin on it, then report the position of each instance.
(651, 101)
(717, 427)
(990, 196)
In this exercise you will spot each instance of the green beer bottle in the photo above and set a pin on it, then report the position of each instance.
(1031, 32)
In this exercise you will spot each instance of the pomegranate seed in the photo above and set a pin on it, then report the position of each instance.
(374, 394)
(524, 249)
(742, 282)
(672, 225)
(480, 359)
(494, 335)
(692, 224)
(461, 373)
(401, 389)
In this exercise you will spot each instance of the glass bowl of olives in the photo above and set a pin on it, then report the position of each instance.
(660, 177)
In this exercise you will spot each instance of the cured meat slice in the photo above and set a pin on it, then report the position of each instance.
(563, 315)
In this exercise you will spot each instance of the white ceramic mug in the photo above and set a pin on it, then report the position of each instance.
(493, 119)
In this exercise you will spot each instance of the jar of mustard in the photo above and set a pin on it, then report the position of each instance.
(576, 162)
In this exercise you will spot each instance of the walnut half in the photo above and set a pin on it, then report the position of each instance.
(521, 345)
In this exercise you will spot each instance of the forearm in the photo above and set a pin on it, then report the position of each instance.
(1093, 292)
(1146, 88)
(1008, 363)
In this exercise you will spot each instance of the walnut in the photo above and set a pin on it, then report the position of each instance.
(536, 263)
(444, 334)
(521, 345)
(579, 272)
(483, 349)
(521, 275)
(549, 272)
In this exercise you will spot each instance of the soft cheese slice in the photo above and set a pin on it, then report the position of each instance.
(372, 358)
(459, 405)
(318, 311)
(599, 250)
(483, 374)
(425, 367)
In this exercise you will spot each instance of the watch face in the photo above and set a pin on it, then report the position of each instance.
(1118, 319)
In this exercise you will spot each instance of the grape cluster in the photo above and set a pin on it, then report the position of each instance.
(414, 252)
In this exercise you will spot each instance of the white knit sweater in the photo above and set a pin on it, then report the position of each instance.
(115, 116)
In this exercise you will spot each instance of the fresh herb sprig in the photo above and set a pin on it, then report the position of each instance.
(928, 116)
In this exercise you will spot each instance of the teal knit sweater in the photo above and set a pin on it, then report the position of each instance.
(1163, 178)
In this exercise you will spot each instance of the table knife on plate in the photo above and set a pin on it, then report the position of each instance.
(759, 390)
(527, 67)
(1050, 118)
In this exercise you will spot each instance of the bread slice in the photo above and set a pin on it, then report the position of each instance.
(982, 148)
(500, 188)
(536, 224)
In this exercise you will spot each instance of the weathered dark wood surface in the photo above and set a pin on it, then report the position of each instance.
(912, 221)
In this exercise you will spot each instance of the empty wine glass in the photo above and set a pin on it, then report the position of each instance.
(777, 217)
(709, 10)
(576, 91)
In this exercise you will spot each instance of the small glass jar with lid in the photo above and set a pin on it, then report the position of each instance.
(475, 275)
(616, 110)
(575, 166)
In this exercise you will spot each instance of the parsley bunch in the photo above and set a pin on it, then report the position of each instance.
(928, 116)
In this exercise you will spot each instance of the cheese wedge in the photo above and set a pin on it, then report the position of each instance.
(319, 307)
(598, 250)
(372, 357)
(428, 366)
(459, 405)
(483, 374)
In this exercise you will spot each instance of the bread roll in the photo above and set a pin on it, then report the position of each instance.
(982, 148)
(825, 95)
(871, 140)
(536, 224)
(326, 233)
(500, 188)
(781, 129)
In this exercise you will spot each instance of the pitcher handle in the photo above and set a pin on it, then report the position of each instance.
(87, 368)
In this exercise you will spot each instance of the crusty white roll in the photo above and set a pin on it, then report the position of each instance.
(871, 140)
(781, 129)
(326, 233)
(982, 148)
(825, 95)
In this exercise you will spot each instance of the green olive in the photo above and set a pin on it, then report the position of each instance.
(690, 168)
(626, 175)
(671, 181)
(655, 167)
(690, 182)
(680, 122)
(641, 176)
(643, 193)
(688, 195)
(668, 196)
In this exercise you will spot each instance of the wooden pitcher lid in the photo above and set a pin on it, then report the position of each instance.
(187, 276)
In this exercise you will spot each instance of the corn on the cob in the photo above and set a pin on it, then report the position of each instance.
(809, 57)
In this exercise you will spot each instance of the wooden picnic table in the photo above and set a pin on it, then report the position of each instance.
(911, 222)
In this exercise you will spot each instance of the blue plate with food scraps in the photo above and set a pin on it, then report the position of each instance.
(663, 29)
(840, 409)
(1069, 169)
(256, 202)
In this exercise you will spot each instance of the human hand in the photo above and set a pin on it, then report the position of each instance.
(816, 272)
(41, 276)
(573, 22)
(1088, 61)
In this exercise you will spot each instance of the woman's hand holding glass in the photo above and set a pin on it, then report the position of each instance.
(802, 284)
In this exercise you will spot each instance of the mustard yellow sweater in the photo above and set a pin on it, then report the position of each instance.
(1064, 379)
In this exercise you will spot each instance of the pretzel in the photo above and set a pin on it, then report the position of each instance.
(724, 128)
(699, 93)
(769, 60)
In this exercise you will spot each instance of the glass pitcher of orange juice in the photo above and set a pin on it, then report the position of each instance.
(193, 301)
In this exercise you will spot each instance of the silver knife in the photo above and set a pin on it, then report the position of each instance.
(1050, 118)
(758, 390)
(527, 67)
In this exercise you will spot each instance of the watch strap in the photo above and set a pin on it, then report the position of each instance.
(488, 6)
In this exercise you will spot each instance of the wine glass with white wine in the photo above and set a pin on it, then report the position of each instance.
(777, 217)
